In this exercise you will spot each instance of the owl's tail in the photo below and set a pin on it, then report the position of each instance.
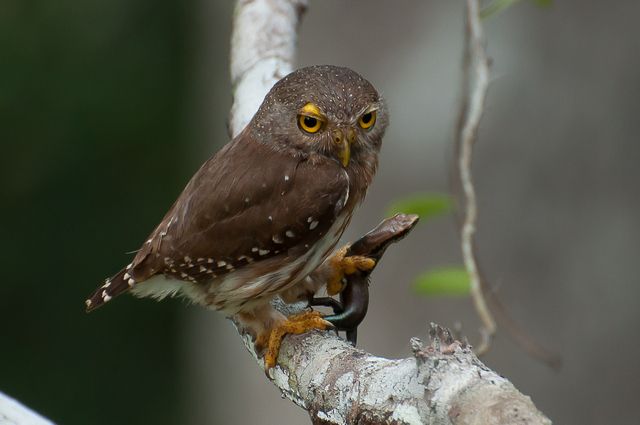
(120, 283)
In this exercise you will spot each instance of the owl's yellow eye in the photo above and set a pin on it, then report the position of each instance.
(367, 120)
(309, 124)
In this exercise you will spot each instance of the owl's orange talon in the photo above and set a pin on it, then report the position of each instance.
(343, 266)
(296, 324)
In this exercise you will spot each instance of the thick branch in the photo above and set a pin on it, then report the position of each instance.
(336, 383)
(263, 42)
(444, 383)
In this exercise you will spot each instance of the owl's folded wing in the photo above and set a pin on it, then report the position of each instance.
(252, 204)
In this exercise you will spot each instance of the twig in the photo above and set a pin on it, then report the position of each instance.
(475, 84)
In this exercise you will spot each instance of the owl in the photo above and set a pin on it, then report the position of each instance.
(262, 217)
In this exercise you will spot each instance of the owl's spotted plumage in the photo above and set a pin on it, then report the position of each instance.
(260, 216)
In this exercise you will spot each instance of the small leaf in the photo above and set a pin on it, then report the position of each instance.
(426, 205)
(495, 7)
(451, 281)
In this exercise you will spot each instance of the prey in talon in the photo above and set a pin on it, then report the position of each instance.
(263, 213)
(350, 310)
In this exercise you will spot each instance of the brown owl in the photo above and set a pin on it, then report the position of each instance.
(261, 217)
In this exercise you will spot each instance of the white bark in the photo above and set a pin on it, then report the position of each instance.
(443, 383)
(336, 383)
(263, 44)
(14, 413)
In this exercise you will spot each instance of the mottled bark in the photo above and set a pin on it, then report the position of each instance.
(442, 383)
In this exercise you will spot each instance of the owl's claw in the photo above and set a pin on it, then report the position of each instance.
(343, 265)
(296, 324)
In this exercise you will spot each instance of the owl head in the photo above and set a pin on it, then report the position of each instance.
(329, 110)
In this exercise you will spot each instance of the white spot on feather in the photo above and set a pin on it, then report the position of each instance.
(313, 225)
(106, 297)
(263, 251)
(290, 234)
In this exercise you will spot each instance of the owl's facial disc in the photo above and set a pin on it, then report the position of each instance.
(342, 134)
(311, 120)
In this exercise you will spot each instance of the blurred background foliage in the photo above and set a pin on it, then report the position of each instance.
(92, 98)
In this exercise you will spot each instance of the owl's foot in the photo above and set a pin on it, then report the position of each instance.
(296, 324)
(343, 266)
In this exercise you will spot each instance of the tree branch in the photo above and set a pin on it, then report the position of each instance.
(263, 44)
(443, 383)
(14, 413)
(475, 83)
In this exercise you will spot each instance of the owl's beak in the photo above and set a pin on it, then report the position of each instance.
(343, 138)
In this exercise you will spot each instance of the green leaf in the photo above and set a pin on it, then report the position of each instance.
(426, 205)
(448, 281)
(495, 7)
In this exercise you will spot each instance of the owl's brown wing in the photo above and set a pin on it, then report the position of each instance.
(246, 204)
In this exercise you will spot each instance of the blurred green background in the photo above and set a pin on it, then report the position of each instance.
(108, 107)
(92, 99)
